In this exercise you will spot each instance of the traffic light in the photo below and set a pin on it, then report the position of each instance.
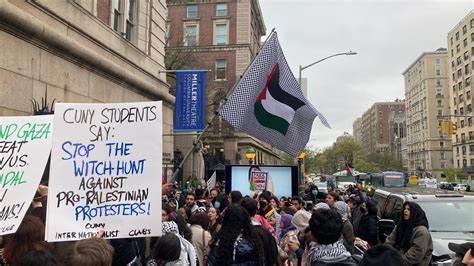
(453, 128)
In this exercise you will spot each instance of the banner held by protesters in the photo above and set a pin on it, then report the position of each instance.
(105, 168)
(25, 144)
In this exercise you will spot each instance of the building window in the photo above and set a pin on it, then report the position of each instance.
(441, 155)
(472, 37)
(441, 144)
(192, 11)
(464, 29)
(469, 122)
(440, 112)
(457, 150)
(460, 85)
(117, 15)
(458, 60)
(221, 66)
(472, 23)
(221, 9)
(458, 48)
(191, 35)
(457, 36)
(468, 81)
(462, 126)
(465, 42)
(125, 17)
(451, 40)
(221, 34)
(130, 21)
(471, 135)
(459, 73)
(464, 163)
(466, 55)
(438, 82)
(461, 98)
(469, 108)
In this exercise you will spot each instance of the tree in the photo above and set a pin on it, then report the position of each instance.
(176, 59)
(350, 150)
(453, 174)
(367, 166)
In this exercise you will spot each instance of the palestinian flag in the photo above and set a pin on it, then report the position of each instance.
(268, 104)
(275, 108)
(349, 169)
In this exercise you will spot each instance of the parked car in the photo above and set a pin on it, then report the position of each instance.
(460, 187)
(446, 186)
(450, 216)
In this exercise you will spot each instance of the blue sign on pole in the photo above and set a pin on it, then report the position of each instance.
(190, 100)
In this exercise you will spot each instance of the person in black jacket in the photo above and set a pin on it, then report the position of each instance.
(237, 242)
(368, 224)
(270, 249)
(313, 194)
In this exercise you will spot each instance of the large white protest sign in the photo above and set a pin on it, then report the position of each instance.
(105, 171)
(25, 144)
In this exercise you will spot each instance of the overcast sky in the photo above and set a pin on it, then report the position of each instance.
(387, 35)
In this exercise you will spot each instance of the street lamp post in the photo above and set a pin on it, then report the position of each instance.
(250, 154)
(312, 64)
(300, 161)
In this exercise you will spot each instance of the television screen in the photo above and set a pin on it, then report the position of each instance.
(251, 179)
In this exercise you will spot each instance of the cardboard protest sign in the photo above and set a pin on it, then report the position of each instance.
(105, 171)
(25, 144)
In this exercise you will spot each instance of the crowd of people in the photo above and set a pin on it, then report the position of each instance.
(201, 227)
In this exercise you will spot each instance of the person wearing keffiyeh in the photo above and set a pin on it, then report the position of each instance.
(188, 253)
(326, 227)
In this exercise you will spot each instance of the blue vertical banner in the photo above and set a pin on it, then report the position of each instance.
(190, 100)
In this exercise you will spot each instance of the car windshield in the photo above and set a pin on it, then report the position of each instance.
(449, 216)
(394, 182)
(345, 179)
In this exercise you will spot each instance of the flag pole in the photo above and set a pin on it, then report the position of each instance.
(216, 114)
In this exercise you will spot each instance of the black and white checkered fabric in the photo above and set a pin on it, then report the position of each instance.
(239, 108)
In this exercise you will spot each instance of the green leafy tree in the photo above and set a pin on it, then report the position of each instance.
(367, 166)
(349, 150)
(453, 174)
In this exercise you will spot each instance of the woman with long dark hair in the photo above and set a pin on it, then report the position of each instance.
(412, 237)
(28, 237)
(237, 242)
(214, 221)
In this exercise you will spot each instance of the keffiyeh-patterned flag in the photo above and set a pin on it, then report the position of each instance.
(268, 103)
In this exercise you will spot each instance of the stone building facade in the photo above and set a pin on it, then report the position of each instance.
(427, 100)
(460, 71)
(84, 51)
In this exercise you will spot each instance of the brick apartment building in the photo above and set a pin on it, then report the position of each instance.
(223, 37)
